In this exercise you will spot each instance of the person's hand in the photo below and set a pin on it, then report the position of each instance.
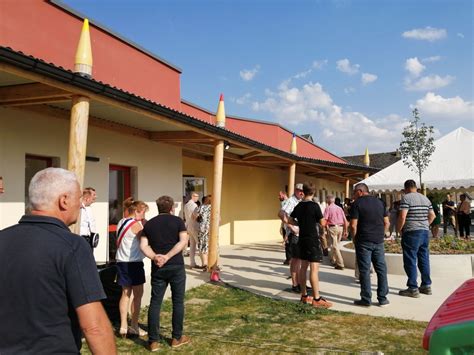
(160, 260)
(344, 235)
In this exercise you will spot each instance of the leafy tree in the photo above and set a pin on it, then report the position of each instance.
(417, 145)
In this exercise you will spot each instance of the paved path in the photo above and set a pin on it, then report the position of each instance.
(258, 268)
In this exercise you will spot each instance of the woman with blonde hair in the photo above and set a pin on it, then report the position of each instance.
(131, 274)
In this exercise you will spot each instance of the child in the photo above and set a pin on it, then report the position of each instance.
(306, 215)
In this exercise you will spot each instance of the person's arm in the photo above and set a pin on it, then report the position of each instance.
(323, 222)
(282, 215)
(431, 217)
(147, 250)
(289, 220)
(136, 228)
(386, 224)
(402, 215)
(178, 247)
(353, 228)
(345, 227)
(96, 327)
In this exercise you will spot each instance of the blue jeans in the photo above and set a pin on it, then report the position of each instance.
(175, 276)
(367, 253)
(415, 245)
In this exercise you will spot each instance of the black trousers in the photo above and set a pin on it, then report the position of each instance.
(464, 221)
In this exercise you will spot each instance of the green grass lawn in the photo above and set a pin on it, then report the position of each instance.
(225, 320)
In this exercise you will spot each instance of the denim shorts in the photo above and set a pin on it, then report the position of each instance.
(130, 274)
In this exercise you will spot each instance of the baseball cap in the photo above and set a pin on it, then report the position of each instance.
(299, 186)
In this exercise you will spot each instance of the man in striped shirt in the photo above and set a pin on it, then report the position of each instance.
(415, 217)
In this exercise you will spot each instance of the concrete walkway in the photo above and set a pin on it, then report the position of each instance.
(258, 268)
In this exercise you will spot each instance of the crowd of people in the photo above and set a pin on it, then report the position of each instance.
(365, 219)
(62, 302)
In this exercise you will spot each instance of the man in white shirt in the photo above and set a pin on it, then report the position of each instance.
(88, 226)
(192, 227)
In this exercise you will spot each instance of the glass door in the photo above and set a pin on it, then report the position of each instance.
(119, 190)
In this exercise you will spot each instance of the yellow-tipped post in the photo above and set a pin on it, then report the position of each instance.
(366, 161)
(80, 112)
(220, 115)
(292, 172)
(83, 59)
(213, 258)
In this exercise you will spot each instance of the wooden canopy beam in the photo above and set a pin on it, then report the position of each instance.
(250, 155)
(93, 121)
(31, 94)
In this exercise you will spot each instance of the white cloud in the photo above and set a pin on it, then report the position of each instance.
(426, 34)
(319, 64)
(460, 35)
(249, 74)
(303, 74)
(368, 78)
(414, 67)
(430, 82)
(345, 66)
(431, 59)
(344, 132)
(453, 108)
(245, 99)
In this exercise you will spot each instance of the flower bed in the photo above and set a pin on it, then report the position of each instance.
(451, 257)
(441, 246)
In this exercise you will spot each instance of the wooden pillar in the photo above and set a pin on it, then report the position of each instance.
(292, 172)
(347, 188)
(291, 179)
(216, 203)
(78, 136)
(213, 257)
(80, 112)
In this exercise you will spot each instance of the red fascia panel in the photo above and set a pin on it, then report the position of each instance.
(278, 137)
(47, 32)
(197, 112)
(258, 131)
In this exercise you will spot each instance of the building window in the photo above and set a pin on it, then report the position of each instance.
(193, 184)
(33, 164)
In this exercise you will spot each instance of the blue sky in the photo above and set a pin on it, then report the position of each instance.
(347, 72)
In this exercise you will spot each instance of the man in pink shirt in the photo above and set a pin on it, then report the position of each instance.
(336, 228)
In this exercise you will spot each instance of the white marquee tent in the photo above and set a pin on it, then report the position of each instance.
(451, 166)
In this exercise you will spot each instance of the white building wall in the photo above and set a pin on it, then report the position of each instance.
(158, 167)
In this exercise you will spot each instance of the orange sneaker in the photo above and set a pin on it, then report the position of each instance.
(306, 299)
(321, 303)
